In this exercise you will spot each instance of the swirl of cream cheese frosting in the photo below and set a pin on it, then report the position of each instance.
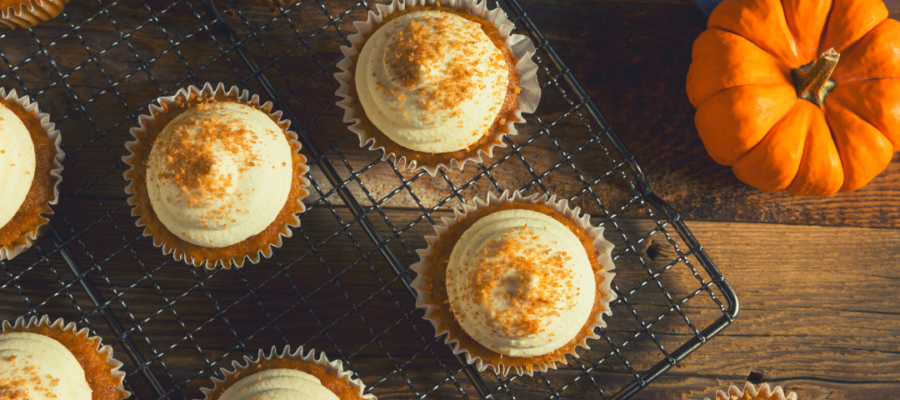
(520, 283)
(17, 164)
(278, 384)
(37, 367)
(432, 81)
(219, 173)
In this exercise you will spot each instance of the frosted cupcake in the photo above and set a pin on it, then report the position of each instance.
(436, 85)
(28, 13)
(516, 283)
(216, 177)
(44, 360)
(750, 393)
(288, 375)
(30, 168)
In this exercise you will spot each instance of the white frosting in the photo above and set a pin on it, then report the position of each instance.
(520, 283)
(443, 102)
(248, 165)
(17, 164)
(37, 367)
(278, 384)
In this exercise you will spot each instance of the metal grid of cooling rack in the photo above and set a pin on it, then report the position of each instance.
(340, 284)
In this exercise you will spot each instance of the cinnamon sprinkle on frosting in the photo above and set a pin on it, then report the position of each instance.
(190, 159)
(14, 383)
(527, 274)
(416, 55)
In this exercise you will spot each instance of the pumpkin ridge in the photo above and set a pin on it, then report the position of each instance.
(781, 71)
(773, 131)
(775, 56)
(858, 115)
(733, 87)
(747, 127)
(846, 152)
(822, 34)
(760, 21)
(850, 21)
(807, 27)
(803, 160)
(794, 38)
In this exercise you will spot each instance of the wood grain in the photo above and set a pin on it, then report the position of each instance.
(818, 302)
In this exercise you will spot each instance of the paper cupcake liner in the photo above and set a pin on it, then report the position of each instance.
(520, 46)
(30, 13)
(562, 206)
(49, 127)
(233, 93)
(271, 3)
(70, 328)
(764, 393)
(310, 357)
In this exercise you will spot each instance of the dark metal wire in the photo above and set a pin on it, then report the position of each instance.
(221, 28)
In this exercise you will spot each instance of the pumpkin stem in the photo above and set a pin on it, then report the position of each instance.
(812, 80)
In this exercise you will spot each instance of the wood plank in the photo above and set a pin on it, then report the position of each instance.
(818, 305)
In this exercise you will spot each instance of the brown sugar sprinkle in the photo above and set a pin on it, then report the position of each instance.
(190, 164)
(420, 45)
(14, 383)
(509, 265)
(189, 159)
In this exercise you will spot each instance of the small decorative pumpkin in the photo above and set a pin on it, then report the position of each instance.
(799, 95)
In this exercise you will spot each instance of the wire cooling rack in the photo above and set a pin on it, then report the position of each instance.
(340, 284)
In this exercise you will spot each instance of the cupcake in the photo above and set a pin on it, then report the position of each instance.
(435, 85)
(287, 375)
(30, 168)
(750, 393)
(216, 177)
(28, 13)
(516, 283)
(44, 360)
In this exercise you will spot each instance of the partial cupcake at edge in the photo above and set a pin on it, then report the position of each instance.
(287, 374)
(30, 168)
(216, 177)
(436, 84)
(28, 13)
(516, 283)
(40, 359)
(751, 393)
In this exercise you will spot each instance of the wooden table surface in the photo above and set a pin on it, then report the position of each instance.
(815, 277)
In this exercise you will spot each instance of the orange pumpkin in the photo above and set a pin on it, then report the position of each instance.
(799, 95)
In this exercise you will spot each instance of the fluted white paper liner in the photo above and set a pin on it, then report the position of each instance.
(520, 46)
(583, 221)
(242, 96)
(70, 328)
(29, 13)
(764, 392)
(310, 357)
(49, 127)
